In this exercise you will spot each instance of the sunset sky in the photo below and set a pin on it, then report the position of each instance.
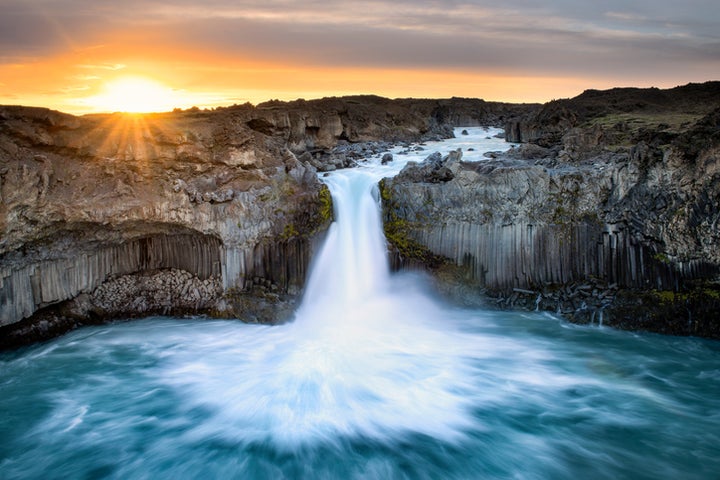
(83, 56)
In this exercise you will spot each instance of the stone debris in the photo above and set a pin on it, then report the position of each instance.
(163, 291)
(576, 299)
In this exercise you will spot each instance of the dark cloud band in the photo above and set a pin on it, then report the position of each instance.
(562, 37)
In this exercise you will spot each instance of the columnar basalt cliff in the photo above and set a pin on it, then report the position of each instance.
(606, 213)
(88, 200)
(215, 212)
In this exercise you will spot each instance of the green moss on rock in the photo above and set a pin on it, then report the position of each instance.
(312, 213)
(693, 311)
(326, 204)
(289, 231)
(397, 232)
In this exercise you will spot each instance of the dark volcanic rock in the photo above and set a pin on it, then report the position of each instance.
(217, 212)
(88, 204)
(434, 169)
(579, 206)
(639, 112)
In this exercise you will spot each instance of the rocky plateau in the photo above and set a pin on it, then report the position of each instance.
(607, 212)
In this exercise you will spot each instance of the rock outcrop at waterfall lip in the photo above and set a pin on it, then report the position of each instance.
(609, 213)
(337, 132)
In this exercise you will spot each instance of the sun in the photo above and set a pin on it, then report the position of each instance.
(134, 95)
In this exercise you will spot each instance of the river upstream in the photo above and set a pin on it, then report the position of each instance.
(375, 378)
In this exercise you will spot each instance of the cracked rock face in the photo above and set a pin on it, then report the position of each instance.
(518, 224)
(228, 204)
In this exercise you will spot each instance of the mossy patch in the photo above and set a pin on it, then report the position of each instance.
(699, 293)
(692, 311)
(662, 258)
(397, 232)
(309, 214)
(385, 194)
(326, 204)
(625, 129)
(289, 231)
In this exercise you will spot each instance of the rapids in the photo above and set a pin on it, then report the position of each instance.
(375, 378)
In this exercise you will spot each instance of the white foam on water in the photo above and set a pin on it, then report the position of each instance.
(368, 355)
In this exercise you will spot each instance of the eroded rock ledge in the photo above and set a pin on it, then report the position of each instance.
(218, 212)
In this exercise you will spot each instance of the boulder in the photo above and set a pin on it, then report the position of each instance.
(434, 169)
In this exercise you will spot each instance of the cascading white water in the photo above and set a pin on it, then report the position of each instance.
(352, 264)
(365, 354)
(368, 353)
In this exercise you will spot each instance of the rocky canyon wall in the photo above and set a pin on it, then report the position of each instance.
(89, 200)
(599, 214)
(518, 224)
(216, 212)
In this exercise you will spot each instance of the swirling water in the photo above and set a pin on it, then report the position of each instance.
(374, 379)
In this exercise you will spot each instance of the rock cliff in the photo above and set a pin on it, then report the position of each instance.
(90, 200)
(609, 207)
(214, 212)
(609, 211)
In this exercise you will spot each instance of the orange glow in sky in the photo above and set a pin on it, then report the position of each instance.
(79, 85)
(83, 56)
(134, 95)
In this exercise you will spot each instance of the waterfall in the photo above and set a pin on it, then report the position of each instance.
(368, 352)
(352, 265)
(368, 355)
(352, 269)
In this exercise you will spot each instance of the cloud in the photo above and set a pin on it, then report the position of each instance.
(86, 78)
(101, 66)
(462, 39)
(630, 37)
